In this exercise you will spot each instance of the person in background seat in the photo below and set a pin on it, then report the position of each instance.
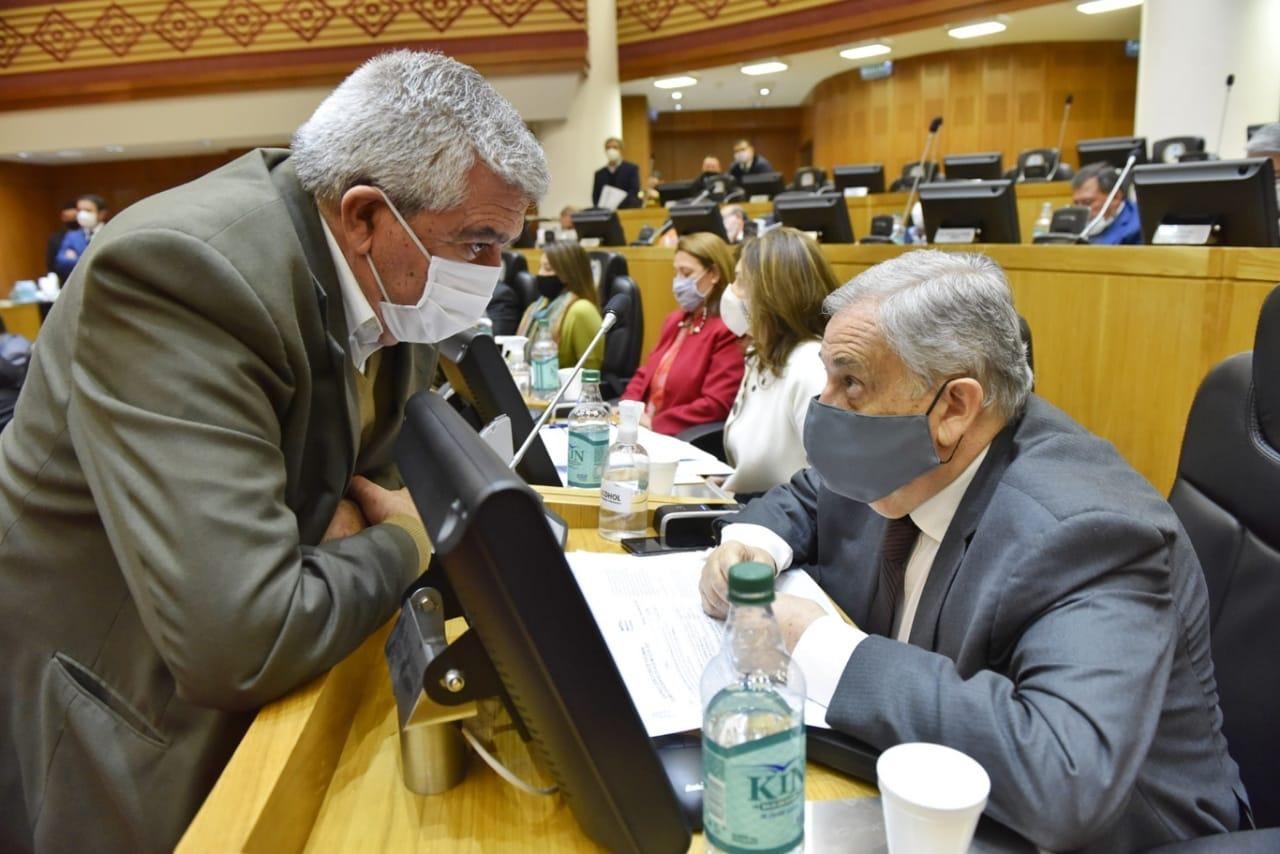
(747, 162)
(567, 303)
(1120, 224)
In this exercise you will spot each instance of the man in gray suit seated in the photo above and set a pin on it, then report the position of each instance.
(1018, 591)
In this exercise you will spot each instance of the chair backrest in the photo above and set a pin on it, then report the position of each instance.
(1227, 494)
(512, 263)
(809, 178)
(622, 343)
(719, 185)
(1171, 148)
(605, 266)
(526, 287)
(1069, 220)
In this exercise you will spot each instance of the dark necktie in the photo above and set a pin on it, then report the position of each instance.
(899, 537)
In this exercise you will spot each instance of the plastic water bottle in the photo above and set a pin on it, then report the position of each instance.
(1043, 221)
(899, 234)
(588, 435)
(520, 371)
(544, 353)
(752, 727)
(624, 487)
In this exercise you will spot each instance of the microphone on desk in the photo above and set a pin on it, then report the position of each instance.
(1062, 135)
(924, 159)
(613, 311)
(1231, 81)
(1124, 174)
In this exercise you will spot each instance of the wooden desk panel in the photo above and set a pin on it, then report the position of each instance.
(21, 318)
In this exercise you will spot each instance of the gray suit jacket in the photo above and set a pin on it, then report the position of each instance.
(187, 427)
(1062, 640)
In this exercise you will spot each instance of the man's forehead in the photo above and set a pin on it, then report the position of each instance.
(851, 335)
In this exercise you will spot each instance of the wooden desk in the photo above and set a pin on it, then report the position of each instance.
(21, 318)
(319, 771)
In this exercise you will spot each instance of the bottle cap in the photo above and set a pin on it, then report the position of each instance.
(591, 375)
(750, 583)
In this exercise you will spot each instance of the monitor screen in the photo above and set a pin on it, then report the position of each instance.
(828, 215)
(1112, 149)
(986, 166)
(600, 223)
(763, 184)
(869, 175)
(674, 191)
(988, 208)
(1235, 199)
(478, 375)
(693, 217)
(501, 563)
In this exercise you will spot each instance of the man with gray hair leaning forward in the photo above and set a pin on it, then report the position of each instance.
(199, 508)
(1019, 592)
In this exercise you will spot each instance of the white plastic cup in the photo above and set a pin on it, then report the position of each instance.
(932, 798)
(574, 391)
(662, 476)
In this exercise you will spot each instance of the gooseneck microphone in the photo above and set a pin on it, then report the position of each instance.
(1124, 174)
(924, 159)
(1222, 122)
(613, 311)
(1062, 135)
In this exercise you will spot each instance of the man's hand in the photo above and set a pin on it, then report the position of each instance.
(794, 614)
(714, 584)
(347, 520)
(377, 503)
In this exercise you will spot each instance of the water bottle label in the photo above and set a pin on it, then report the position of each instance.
(621, 497)
(587, 451)
(754, 796)
(546, 374)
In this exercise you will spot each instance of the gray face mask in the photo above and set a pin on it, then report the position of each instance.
(866, 457)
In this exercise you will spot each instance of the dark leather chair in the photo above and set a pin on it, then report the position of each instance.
(623, 342)
(1040, 164)
(1172, 148)
(1227, 494)
(707, 437)
(928, 172)
(1066, 226)
(512, 263)
(721, 187)
(605, 267)
(809, 178)
(526, 287)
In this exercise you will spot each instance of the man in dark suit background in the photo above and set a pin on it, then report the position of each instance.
(619, 173)
(747, 162)
(1019, 592)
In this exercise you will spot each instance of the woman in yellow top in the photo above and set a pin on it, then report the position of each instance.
(568, 304)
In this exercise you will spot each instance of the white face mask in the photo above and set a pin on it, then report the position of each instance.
(613, 155)
(87, 219)
(735, 312)
(1101, 226)
(454, 298)
(741, 158)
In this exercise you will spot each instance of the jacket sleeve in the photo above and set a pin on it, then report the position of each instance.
(64, 265)
(790, 510)
(1062, 728)
(719, 388)
(179, 380)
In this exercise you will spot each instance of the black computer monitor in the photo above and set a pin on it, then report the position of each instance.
(1223, 202)
(826, 214)
(692, 217)
(675, 191)
(983, 166)
(1112, 149)
(534, 640)
(970, 212)
(600, 223)
(869, 175)
(763, 184)
(479, 376)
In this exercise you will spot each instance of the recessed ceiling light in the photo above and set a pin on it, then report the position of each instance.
(114, 149)
(679, 106)
(772, 66)
(1097, 7)
(70, 153)
(675, 82)
(764, 90)
(676, 96)
(24, 155)
(866, 50)
(973, 31)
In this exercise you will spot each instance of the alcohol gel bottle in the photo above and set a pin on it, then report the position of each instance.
(588, 435)
(544, 353)
(520, 372)
(624, 487)
(752, 727)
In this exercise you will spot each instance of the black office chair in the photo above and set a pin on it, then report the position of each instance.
(622, 343)
(512, 263)
(928, 172)
(1227, 494)
(881, 230)
(525, 284)
(1040, 164)
(721, 187)
(1066, 226)
(707, 437)
(605, 267)
(809, 178)
(1172, 149)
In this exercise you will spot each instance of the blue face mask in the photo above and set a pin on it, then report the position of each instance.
(685, 289)
(866, 457)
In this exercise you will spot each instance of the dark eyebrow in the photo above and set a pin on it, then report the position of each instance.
(485, 234)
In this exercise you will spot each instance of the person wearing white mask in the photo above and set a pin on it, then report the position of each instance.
(619, 173)
(775, 299)
(89, 216)
(1119, 223)
(747, 162)
(1265, 142)
(203, 510)
(735, 223)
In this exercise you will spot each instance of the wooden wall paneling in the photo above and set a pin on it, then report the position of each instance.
(636, 135)
(681, 140)
(27, 217)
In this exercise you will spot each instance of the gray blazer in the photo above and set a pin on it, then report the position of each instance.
(187, 427)
(1062, 640)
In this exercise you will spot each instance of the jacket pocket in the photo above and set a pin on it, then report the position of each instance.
(98, 692)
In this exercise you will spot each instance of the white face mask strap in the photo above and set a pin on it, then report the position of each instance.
(396, 213)
(377, 278)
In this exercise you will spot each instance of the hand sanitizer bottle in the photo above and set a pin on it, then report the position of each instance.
(624, 487)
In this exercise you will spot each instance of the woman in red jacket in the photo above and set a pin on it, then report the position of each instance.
(692, 375)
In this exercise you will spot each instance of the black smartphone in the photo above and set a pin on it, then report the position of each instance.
(646, 546)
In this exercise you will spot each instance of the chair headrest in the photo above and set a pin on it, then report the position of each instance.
(1266, 369)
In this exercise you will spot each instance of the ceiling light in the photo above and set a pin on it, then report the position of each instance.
(676, 96)
(114, 149)
(24, 155)
(973, 31)
(70, 153)
(866, 50)
(1097, 7)
(764, 90)
(679, 106)
(773, 66)
(675, 82)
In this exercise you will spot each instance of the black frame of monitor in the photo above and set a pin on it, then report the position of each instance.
(824, 213)
(1114, 150)
(677, 191)
(763, 184)
(869, 175)
(600, 223)
(980, 166)
(693, 217)
(990, 208)
(532, 639)
(1235, 198)
(477, 373)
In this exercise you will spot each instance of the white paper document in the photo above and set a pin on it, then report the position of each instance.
(692, 464)
(611, 197)
(651, 617)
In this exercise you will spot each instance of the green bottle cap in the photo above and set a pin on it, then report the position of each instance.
(751, 584)
(591, 375)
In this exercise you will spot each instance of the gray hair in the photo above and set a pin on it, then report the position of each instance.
(413, 123)
(947, 314)
(1104, 173)
(1265, 141)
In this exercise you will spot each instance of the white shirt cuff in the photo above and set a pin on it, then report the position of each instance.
(823, 652)
(762, 538)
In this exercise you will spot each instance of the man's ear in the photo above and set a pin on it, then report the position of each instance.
(957, 409)
(358, 211)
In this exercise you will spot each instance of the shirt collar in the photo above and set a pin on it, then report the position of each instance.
(363, 327)
(934, 516)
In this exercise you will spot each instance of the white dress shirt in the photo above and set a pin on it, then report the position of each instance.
(363, 327)
(823, 650)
